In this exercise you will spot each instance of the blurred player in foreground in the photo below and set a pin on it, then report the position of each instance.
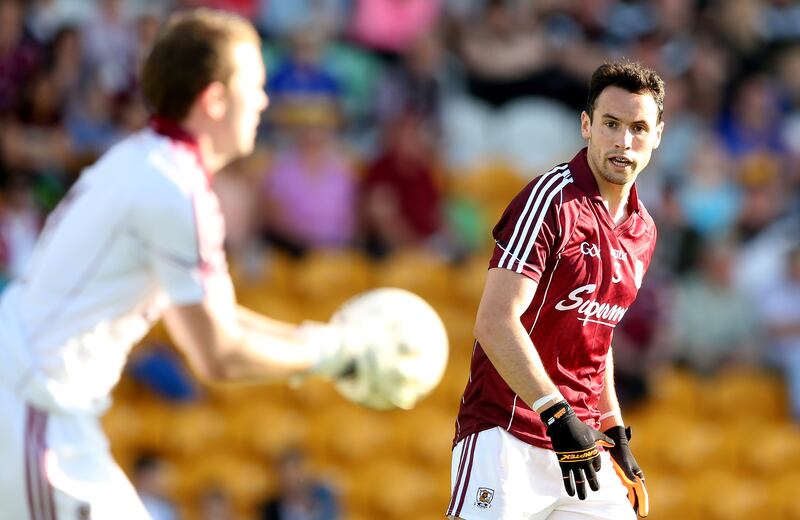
(139, 237)
(571, 251)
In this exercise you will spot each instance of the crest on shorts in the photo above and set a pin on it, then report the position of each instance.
(484, 498)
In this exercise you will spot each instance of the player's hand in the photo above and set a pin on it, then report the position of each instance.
(335, 349)
(628, 469)
(575, 444)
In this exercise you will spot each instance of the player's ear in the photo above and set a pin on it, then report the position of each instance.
(586, 125)
(213, 100)
(659, 130)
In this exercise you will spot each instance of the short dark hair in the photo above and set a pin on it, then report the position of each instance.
(193, 50)
(631, 76)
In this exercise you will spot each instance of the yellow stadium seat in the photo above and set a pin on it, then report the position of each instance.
(765, 448)
(266, 429)
(496, 182)
(669, 497)
(349, 434)
(731, 391)
(427, 434)
(676, 389)
(245, 480)
(393, 489)
(783, 496)
(722, 495)
(469, 279)
(324, 279)
(194, 429)
(137, 426)
(419, 271)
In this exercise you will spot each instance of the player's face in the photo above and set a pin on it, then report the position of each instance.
(622, 134)
(246, 99)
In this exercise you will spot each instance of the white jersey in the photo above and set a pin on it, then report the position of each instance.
(139, 231)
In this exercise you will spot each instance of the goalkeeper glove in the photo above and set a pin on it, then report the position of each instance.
(335, 355)
(575, 444)
(628, 469)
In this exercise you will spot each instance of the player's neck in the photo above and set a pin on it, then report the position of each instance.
(615, 198)
(213, 158)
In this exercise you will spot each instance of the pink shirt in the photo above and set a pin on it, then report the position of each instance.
(393, 25)
(317, 209)
(558, 232)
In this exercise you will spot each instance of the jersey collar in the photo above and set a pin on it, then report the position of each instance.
(584, 179)
(172, 130)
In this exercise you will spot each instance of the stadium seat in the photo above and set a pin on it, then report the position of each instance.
(194, 429)
(349, 435)
(427, 434)
(468, 280)
(324, 279)
(778, 447)
(759, 392)
(722, 495)
(393, 489)
(266, 429)
(246, 480)
(419, 271)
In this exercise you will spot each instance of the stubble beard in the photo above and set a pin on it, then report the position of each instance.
(618, 178)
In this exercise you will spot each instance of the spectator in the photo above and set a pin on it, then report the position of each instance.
(502, 53)
(300, 496)
(401, 197)
(19, 56)
(391, 27)
(149, 478)
(780, 315)
(215, 504)
(280, 19)
(300, 80)
(110, 47)
(416, 84)
(20, 224)
(310, 188)
(158, 368)
(709, 195)
(713, 323)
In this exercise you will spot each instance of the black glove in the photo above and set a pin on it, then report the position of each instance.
(628, 469)
(575, 444)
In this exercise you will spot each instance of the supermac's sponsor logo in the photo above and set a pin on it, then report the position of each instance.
(591, 310)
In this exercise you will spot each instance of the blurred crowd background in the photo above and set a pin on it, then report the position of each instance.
(398, 130)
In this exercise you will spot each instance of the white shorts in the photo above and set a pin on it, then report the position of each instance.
(497, 476)
(58, 467)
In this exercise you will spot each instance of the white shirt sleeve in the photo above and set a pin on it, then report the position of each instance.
(166, 221)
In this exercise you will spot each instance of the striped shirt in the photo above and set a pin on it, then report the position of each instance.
(558, 232)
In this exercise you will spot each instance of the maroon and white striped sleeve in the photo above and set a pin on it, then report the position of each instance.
(529, 228)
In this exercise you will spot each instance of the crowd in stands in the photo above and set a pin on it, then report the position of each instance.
(380, 107)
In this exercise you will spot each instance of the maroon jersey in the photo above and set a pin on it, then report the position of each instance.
(558, 232)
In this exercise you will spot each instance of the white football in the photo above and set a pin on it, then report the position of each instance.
(403, 348)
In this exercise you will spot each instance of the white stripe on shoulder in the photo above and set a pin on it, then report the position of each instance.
(532, 239)
(543, 182)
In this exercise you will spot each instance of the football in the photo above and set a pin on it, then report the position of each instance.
(403, 345)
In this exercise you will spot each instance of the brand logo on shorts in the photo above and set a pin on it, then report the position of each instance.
(484, 499)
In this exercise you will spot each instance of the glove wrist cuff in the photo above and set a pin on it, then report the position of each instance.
(558, 413)
(620, 434)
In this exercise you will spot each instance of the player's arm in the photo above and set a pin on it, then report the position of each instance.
(252, 347)
(507, 344)
(611, 424)
(505, 341)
